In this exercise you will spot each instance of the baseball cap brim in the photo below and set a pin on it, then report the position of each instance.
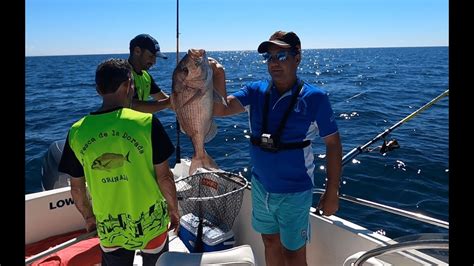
(263, 47)
(160, 54)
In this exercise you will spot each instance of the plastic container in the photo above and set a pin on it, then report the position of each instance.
(213, 238)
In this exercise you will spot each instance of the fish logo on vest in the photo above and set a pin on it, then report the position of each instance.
(109, 161)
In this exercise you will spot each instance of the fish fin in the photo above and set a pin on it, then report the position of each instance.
(218, 98)
(211, 133)
(196, 97)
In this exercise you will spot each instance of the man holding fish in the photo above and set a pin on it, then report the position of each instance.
(149, 98)
(286, 114)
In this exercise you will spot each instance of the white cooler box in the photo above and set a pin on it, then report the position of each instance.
(213, 237)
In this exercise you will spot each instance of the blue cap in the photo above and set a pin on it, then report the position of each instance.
(145, 41)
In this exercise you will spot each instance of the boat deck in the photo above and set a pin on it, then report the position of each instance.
(333, 239)
(175, 245)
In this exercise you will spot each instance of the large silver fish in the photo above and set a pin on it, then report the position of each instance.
(192, 98)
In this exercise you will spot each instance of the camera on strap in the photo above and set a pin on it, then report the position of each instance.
(268, 143)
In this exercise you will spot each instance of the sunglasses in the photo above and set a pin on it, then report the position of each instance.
(281, 56)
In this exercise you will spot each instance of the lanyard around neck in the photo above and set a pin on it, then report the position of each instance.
(287, 113)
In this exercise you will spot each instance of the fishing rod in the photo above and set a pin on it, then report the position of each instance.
(358, 150)
(178, 148)
(60, 247)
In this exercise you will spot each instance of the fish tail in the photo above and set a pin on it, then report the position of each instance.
(205, 162)
(126, 157)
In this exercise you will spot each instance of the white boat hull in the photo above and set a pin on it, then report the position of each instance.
(333, 240)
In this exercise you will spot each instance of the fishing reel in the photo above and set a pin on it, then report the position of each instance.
(389, 146)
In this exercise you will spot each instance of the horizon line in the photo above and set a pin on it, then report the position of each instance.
(375, 47)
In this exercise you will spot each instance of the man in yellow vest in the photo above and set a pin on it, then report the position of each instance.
(122, 156)
(144, 50)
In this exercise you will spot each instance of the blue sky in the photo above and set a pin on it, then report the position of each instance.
(73, 27)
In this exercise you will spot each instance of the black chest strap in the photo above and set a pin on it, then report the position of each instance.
(276, 137)
(283, 146)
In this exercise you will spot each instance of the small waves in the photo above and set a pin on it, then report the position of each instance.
(370, 90)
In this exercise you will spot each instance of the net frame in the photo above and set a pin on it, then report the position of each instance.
(212, 207)
(242, 179)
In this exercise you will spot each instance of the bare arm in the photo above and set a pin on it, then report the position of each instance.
(233, 105)
(329, 201)
(160, 96)
(165, 180)
(161, 101)
(218, 77)
(79, 195)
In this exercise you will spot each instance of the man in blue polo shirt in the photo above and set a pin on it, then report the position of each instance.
(286, 114)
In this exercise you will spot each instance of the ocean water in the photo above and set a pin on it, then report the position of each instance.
(370, 90)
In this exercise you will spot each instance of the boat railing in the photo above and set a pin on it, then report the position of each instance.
(397, 211)
(442, 244)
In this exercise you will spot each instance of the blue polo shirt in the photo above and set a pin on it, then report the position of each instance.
(287, 171)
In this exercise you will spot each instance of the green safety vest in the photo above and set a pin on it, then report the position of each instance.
(115, 151)
(142, 85)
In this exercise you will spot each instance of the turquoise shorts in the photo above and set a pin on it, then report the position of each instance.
(286, 214)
